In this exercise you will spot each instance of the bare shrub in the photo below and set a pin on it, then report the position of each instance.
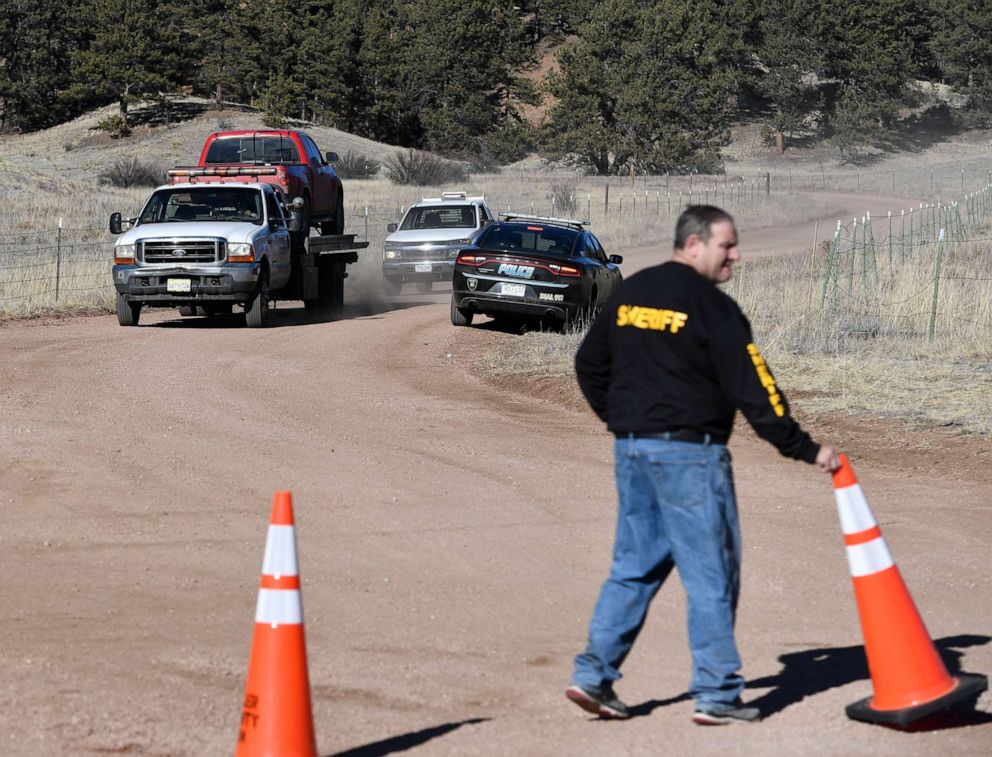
(423, 169)
(563, 197)
(356, 165)
(131, 172)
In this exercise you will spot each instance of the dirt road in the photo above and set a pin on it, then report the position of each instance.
(452, 535)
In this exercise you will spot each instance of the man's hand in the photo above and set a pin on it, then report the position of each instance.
(827, 459)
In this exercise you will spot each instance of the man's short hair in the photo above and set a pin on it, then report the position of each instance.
(698, 220)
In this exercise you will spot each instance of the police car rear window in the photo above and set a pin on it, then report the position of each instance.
(547, 240)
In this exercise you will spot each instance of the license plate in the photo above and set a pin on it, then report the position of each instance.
(177, 285)
(513, 290)
(422, 268)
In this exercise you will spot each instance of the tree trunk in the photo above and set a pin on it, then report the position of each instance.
(779, 141)
(123, 105)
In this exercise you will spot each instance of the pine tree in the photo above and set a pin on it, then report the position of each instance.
(37, 41)
(790, 60)
(649, 86)
(962, 47)
(134, 49)
(873, 51)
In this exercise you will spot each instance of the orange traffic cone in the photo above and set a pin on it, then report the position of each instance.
(276, 719)
(907, 673)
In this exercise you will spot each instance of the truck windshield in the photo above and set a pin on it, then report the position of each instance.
(214, 203)
(252, 148)
(440, 217)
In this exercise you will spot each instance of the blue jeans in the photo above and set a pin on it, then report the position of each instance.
(677, 509)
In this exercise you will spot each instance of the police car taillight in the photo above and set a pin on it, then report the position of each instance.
(565, 270)
(466, 258)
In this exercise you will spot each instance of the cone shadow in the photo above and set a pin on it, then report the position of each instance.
(813, 671)
(405, 741)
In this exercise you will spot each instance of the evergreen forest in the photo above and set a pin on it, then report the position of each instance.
(610, 86)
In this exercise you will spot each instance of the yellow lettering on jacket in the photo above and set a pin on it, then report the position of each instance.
(653, 319)
(767, 380)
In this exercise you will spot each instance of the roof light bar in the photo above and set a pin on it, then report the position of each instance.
(545, 219)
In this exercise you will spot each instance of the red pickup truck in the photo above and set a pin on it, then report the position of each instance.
(288, 159)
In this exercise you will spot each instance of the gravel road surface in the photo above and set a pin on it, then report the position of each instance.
(452, 533)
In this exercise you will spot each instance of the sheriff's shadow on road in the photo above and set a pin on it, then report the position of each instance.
(805, 674)
(405, 741)
(813, 671)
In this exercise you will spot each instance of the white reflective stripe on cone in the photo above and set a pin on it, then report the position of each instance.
(280, 552)
(279, 606)
(855, 514)
(869, 558)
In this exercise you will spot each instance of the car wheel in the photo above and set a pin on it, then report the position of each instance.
(128, 313)
(424, 287)
(392, 285)
(257, 312)
(460, 317)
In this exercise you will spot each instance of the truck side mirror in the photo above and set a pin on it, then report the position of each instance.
(115, 223)
(390, 228)
(331, 157)
(616, 259)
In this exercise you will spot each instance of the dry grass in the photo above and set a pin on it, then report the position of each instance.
(865, 350)
(862, 348)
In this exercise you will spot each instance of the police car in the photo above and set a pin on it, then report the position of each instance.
(551, 269)
(422, 248)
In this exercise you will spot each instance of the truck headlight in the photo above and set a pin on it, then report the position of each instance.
(240, 252)
(391, 254)
(124, 253)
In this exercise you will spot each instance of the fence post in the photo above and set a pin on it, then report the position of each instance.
(936, 285)
(902, 235)
(812, 269)
(58, 259)
(911, 231)
(768, 184)
(620, 211)
(606, 200)
(366, 223)
(589, 205)
(831, 263)
(890, 241)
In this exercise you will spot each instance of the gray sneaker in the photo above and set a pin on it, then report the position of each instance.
(713, 714)
(602, 702)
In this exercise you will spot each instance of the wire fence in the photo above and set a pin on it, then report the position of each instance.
(71, 266)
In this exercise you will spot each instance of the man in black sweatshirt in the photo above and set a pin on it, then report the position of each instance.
(666, 365)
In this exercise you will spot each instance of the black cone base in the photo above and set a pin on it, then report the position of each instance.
(969, 686)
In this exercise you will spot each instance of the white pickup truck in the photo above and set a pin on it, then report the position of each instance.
(204, 247)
